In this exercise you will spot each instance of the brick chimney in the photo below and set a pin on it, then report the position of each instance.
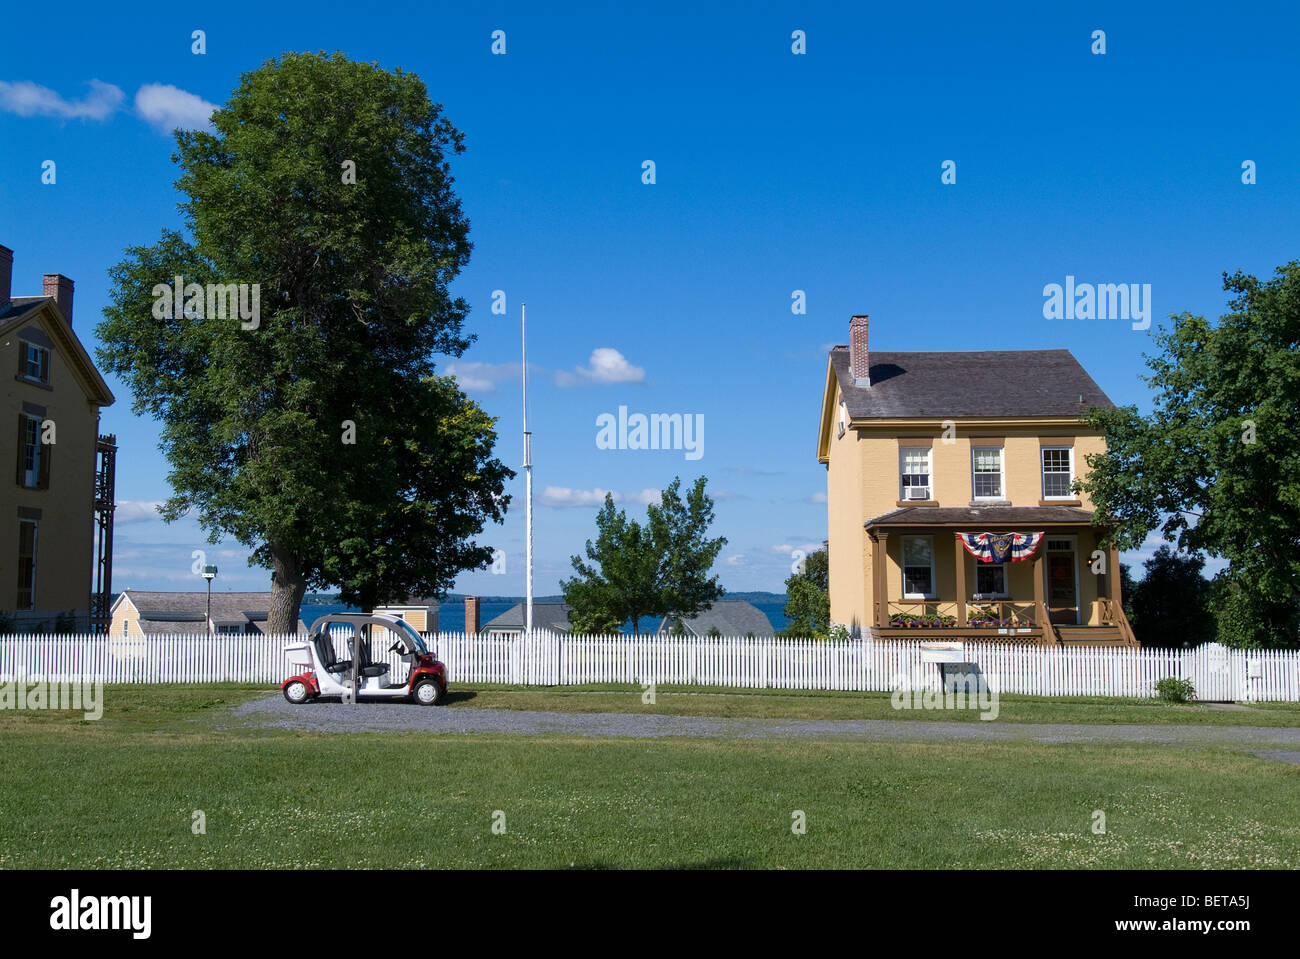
(60, 287)
(6, 276)
(859, 356)
(471, 615)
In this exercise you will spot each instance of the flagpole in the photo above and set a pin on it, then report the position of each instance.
(528, 480)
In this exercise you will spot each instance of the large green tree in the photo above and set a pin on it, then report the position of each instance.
(318, 433)
(808, 600)
(635, 570)
(1169, 604)
(1216, 466)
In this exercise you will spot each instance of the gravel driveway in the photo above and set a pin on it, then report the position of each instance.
(274, 712)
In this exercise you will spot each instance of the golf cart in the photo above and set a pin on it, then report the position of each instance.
(360, 676)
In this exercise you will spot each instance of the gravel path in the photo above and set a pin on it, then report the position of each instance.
(275, 712)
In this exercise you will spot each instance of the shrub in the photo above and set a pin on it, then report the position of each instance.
(1174, 690)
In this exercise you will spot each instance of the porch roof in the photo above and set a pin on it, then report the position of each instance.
(982, 516)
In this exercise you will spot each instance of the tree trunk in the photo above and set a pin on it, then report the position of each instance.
(287, 590)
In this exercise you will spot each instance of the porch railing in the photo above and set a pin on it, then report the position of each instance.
(980, 614)
(1111, 613)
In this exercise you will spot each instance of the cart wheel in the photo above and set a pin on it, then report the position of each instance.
(296, 692)
(426, 693)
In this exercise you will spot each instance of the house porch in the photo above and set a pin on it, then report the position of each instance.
(924, 583)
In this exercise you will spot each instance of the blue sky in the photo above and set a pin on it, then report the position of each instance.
(774, 173)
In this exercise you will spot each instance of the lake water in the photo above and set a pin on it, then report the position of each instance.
(451, 616)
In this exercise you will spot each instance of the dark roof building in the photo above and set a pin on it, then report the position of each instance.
(553, 617)
(156, 613)
(984, 383)
(727, 617)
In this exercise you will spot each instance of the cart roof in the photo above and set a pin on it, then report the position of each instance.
(360, 619)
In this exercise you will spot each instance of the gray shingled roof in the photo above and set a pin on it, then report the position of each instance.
(980, 515)
(983, 383)
(180, 613)
(552, 616)
(20, 305)
(730, 617)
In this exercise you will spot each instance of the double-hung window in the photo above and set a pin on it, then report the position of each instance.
(26, 564)
(986, 472)
(918, 567)
(33, 455)
(914, 473)
(33, 362)
(1058, 472)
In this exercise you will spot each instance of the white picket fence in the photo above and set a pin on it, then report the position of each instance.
(1217, 673)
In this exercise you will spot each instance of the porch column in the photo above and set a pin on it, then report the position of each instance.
(880, 559)
(960, 552)
(1112, 567)
(1040, 607)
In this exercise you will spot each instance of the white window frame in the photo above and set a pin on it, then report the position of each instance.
(32, 474)
(929, 470)
(903, 564)
(28, 347)
(1002, 474)
(1043, 474)
(1005, 592)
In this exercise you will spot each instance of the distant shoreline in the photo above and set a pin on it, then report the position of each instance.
(754, 596)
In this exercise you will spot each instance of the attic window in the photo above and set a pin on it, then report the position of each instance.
(33, 362)
(844, 420)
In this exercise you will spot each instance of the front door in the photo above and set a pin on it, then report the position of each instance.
(1062, 596)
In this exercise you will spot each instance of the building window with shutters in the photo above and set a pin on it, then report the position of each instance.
(26, 564)
(33, 455)
(34, 362)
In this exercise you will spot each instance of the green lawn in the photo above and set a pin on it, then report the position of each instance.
(816, 704)
(121, 793)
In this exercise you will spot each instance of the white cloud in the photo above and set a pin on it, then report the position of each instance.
(167, 107)
(607, 365)
(29, 99)
(737, 560)
(563, 496)
(817, 498)
(788, 549)
(483, 377)
(135, 511)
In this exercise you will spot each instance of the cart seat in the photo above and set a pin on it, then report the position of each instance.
(328, 658)
(375, 669)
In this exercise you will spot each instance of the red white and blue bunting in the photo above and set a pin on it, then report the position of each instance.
(1001, 547)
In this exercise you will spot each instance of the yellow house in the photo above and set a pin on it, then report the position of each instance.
(952, 510)
(138, 612)
(52, 395)
(420, 612)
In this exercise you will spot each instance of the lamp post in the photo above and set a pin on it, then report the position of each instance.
(209, 573)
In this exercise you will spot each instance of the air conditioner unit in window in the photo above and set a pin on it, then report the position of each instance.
(918, 492)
